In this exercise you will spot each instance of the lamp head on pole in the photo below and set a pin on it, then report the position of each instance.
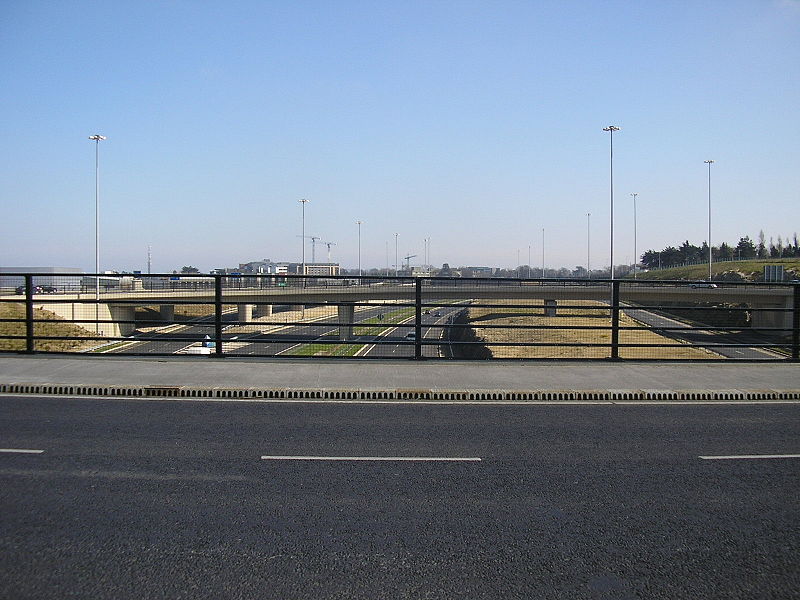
(708, 162)
(611, 128)
(97, 137)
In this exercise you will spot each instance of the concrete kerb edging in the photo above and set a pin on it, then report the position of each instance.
(179, 392)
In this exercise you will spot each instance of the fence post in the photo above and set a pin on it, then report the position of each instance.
(796, 323)
(615, 320)
(29, 313)
(418, 319)
(218, 316)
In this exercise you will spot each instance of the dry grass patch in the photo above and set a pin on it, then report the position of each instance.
(56, 326)
(558, 333)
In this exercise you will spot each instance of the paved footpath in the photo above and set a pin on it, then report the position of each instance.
(290, 374)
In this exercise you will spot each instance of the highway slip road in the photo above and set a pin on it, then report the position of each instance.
(168, 499)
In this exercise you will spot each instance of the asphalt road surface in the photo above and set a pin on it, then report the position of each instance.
(284, 341)
(706, 339)
(153, 499)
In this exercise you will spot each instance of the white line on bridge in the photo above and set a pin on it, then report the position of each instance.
(749, 456)
(20, 451)
(377, 458)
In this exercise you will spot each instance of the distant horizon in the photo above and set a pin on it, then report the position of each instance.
(534, 266)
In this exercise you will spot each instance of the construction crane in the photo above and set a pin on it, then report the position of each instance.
(313, 239)
(408, 261)
(329, 244)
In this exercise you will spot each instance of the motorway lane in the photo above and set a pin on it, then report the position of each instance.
(270, 344)
(432, 329)
(702, 338)
(155, 499)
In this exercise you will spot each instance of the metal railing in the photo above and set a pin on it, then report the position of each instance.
(399, 317)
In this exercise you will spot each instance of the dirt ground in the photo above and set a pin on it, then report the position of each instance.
(594, 315)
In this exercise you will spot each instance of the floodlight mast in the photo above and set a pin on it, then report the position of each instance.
(709, 163)
(611, 129)
(303, 202)
(97, 138)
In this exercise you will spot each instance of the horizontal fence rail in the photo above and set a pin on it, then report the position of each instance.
(399, 317)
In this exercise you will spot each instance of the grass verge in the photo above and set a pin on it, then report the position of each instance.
(561, 334)
(55, 326)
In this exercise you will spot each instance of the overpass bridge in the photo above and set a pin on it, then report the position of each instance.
(773, 305)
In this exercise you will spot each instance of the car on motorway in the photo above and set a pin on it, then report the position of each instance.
(703, 284)
(39, 289)
(411, 335)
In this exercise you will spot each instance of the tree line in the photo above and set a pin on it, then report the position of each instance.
(688, 253)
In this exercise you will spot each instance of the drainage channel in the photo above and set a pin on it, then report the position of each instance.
(188, 392)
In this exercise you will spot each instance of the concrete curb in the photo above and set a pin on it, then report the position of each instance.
(182, 392)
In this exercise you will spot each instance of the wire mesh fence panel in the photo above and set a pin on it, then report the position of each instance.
(397, 317)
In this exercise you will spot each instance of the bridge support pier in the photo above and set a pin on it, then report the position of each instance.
(550, 308)
(346, 314)
(244, 312)
(264, 310)
(762, 319)
(167, 312)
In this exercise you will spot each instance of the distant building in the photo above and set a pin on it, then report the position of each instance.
(317, 269)
(268, 267)
(478, 271)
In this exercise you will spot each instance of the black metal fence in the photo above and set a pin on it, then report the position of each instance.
(399, 317)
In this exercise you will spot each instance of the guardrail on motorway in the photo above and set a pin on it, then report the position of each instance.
(399, 317)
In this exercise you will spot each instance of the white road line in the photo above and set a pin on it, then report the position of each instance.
(377, 458)
(20, 451)
(749, 456)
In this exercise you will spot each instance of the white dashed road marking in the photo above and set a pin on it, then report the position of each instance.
(749, 456)
(377, 458)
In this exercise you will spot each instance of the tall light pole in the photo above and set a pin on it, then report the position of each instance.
(635, 255)
(396, 267)
(709, 163)
(529, 261)
(588, 245)
(97, 138)
(303, 203)
(542, 252)
(359, 247)
(611, 129)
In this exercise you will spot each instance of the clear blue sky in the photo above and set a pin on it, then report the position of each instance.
(475, 124)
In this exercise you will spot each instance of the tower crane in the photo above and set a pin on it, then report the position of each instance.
(313, 239)
(408, 261)
(329, 244)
